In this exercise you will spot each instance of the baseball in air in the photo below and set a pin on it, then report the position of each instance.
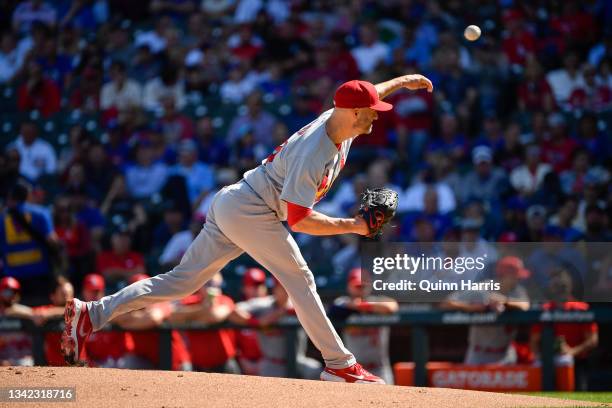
(472, 33)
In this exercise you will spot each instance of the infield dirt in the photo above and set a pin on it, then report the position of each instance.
(105, 387)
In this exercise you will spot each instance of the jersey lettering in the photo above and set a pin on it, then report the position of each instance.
(278, 148)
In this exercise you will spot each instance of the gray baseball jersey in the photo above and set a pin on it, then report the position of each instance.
(489, 344)
(246, 217)
(301, 170)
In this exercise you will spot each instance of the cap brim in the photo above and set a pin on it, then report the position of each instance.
(381, 106)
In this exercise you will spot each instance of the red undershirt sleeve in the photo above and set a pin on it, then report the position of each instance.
(296, 213)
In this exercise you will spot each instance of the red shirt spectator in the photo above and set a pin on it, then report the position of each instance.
(534, 94)
(519, 43)
(573, 333)
(412, 110)
(210, 349)
(73, 233)
(38, 93)
(120, 262)
(559, 148)
(53, 352)
(574, 24)
(105, 346)
(146, 345)
(559, 153)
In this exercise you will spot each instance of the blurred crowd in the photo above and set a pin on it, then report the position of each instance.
(121, 119)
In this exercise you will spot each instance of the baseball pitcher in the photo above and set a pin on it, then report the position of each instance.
(248, 217)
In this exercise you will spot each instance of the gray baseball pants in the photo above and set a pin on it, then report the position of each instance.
(238, 221)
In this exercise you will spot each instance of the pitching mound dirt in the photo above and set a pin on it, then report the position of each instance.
(96, 387)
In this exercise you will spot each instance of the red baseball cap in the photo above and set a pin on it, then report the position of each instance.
(254, 277)
(137, 277)
(93, 281)
(10, 283)
(511, 265)
(359, 94)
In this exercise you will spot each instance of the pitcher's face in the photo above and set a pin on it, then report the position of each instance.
(365, 118)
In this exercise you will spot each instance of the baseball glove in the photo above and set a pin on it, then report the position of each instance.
(377, 208)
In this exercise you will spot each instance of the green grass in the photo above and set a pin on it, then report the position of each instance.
(578, 396)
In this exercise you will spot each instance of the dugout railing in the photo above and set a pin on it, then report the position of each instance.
(418, 321)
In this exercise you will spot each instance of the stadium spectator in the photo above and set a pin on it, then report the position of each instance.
(174, 125)
(141, 323)
(414, 198)
(572, 180)
(38, 158)
(238, 86)
(597, 224)
(12, 57)
(565, 219)
(145, 66)
(57, 67)
(265, 311)
(258, 120)
(565, 80)
(518, 43)
(213, 350)
(26, 241)
(104, 348)
(590, 95)
(557, 150)
(87, 212)
(430, 211)
(492, 344)
(247, 343)
(99, 172)
(173, 222)
(370, 52)
(168, 83)
(121, 206)
(120, 262)
(198, 175)
(75, 237)
(76, 151)
(370, 344)
(155, 39)
(449, 139)
(9, 171)
(61, 292)
(28, 12)
(145, 177)
(592, 138)
(486, 182)
(178, 244)
(534, 93)
(120, 92)
(528, 177)
(38, 92)
(15, 347)
(211, 149)
(575, 340)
